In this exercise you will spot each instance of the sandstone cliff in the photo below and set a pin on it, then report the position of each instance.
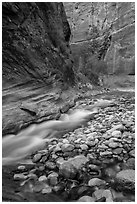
(104, 28)
(36, 56)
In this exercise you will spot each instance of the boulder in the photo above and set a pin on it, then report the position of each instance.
(125, 180)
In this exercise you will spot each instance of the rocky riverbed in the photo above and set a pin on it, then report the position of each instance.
(93, 163)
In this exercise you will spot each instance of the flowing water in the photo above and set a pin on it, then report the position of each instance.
(105, 170)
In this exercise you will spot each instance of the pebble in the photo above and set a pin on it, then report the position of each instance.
(65, 141)
(84, 147)
(57, 148)
(42, 178)
(53, 178)
(41, 168)
(36, 158)
(20, 177)
(91, 136)
(102, 146)
(108, 195)
(38, 187)
(21, 167)
(44, 159)
(90, 143)
(96, 182)
(46, 190)
(132, 153)
(67, 147)
(93, 167)
(98, 194)
(32, 176)
(105, 153)
(50, 165)
(86, 199)
(116, 133)
(59, 161)
(90, 156)
(78, 140)
(78, 161)
(113, 144)
(131, 163)
(118, 150)
(110, 172)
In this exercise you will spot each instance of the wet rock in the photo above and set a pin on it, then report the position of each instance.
(59, 187)
(36, 158)
(42, 178)
(113, 145)
(67, 170)
(130, 163)
(54, 156)
(126, 180)
(91, 136)
(59, 161)
(78, 161)
(116, 133)
(32, 176)
(53, 178)
(50, 165)
(105, 153)
(20, 176)
(96, 182)
(67, 147)
(41, 168)
(65, 141)
(80, 191)
(102, 146)
(108, 195)
(118, 150)
(51, 147)
(110, 172)
(78, 140)
(103, 199)
(90, 156)
(98, 194)
(90, 143)
(86, 199)
(44, 159)
(57, 148)
(47, 189)
(84, 147)
(132, 153)
(43, 152)
(21, 167)
(116, 128)
(38, 187)
(93, 167)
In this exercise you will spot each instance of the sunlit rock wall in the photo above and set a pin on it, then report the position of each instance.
(89, 21)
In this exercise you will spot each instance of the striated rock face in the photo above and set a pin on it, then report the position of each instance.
(35, 41)
(110, 22)
(36, 55)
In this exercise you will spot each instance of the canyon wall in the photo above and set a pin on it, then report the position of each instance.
(104, 29)
(36, 58)
(35, 42)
